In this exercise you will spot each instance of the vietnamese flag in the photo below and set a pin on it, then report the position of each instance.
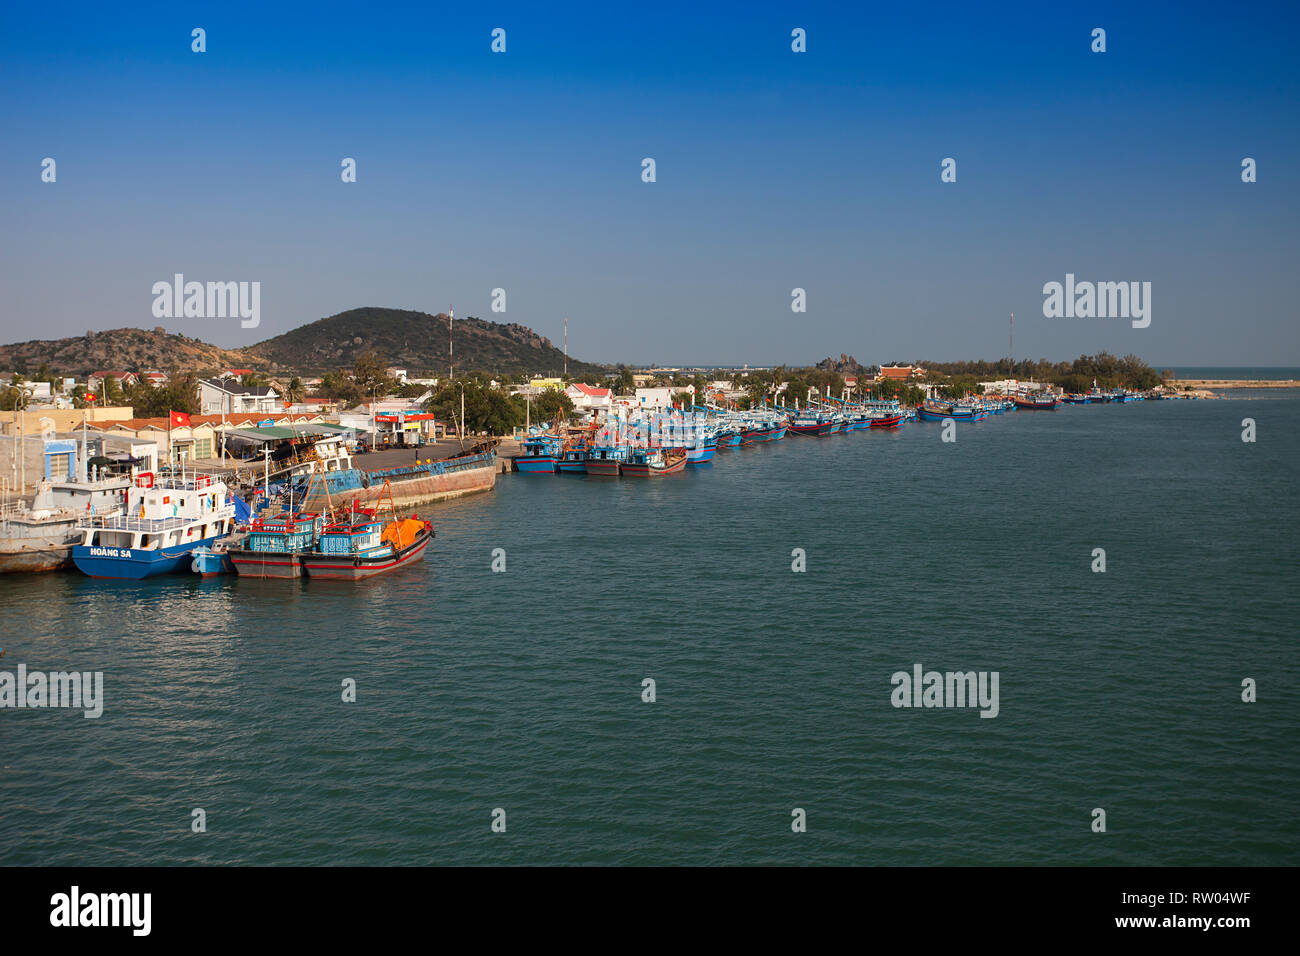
(178, 419)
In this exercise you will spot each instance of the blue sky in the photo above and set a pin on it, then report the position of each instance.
(775, 170)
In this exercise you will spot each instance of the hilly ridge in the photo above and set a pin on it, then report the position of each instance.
(416, 341)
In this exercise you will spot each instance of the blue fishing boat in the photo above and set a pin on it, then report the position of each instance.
(208, 562)
(728, 436)
(702, 452)
(932, 411)
(164, 521)
(541, 454)
(812, 421)
(573, 460)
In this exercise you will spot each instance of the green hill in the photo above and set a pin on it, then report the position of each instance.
(416, 341)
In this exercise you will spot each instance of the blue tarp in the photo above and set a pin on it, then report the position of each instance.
(243, 512)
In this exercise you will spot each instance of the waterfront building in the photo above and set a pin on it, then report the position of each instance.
(223, 395)
(589, 398)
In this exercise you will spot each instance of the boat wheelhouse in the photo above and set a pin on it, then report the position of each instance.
(274, 545)
(541, 454)
(606, 460)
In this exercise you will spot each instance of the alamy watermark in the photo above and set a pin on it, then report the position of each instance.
(951, 689)
(76, 909)
(1099, 300)
(212, 300)
(76, 690)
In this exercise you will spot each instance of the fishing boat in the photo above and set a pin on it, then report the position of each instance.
(933, 411)
(164, 521)
(654, 462)
(208, 562)
(606, 460)
(572, 460)
(40, 536)
(728, 436)
(1036, 403)
(362, 546)
(541, 453)
(703, 450)
(1078, 398)
(274, 545)
(884, 419)
(812, 421)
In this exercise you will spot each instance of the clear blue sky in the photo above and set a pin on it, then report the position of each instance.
(775, 170)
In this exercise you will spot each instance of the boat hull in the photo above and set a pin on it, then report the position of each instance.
(890, 421)
(536, 465)
(208, 563)
(933, 415)
(632, 470)
(135, 564)
(29, 555)
(698, 456)
(272, 565)
(819, 430)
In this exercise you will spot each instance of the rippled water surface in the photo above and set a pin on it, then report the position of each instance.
(522, 690)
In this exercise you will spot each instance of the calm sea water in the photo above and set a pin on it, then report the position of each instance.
(522, 690)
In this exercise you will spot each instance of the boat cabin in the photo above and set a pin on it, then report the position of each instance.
(164, 513)
(361, 533)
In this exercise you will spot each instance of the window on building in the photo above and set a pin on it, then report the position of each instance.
(58, 467)
(203, 448)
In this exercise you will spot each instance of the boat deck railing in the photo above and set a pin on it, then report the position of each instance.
(146, 525)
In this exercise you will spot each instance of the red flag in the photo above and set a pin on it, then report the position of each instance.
(179, 418)
(90, 398)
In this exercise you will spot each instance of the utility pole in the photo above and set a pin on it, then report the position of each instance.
(1011, 348)
(451, 345)
(566, 346)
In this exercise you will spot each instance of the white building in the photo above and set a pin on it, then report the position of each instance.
(589, 398)
(224, 397)
(660, 397)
